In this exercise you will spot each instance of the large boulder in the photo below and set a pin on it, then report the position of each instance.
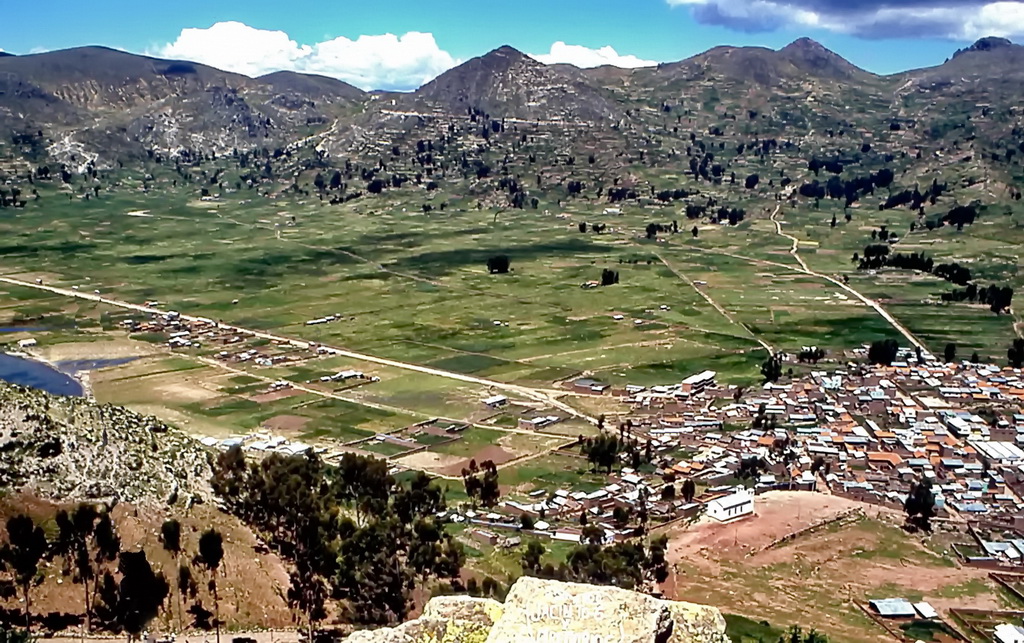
(445, 619)
(693, 622)
(545, 611)
(549, 612)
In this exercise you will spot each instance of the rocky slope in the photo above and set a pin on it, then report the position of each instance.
(97, 104)
(507, 83)
(551, 611)
(72, 449)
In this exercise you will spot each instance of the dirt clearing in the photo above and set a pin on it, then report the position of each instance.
(286, 423)
(430, 461)
(812, 579)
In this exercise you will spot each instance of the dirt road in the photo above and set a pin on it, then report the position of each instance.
(715, 305)
(795, 251)
(545, 396)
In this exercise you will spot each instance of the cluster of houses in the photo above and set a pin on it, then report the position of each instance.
(238, 348)
(262, 443)
(864, 432)
(562, 514)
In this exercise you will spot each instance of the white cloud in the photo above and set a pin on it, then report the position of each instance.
(382, 61)
(955, 19)
(581, 56)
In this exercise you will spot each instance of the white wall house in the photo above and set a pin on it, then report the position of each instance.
(735, 505)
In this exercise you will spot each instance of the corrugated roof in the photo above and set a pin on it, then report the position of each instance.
(893, 607)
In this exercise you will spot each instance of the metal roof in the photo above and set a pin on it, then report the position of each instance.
(893, 607)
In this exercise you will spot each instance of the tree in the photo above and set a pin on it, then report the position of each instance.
(689, 490)
(489, 489)
(920, 505)
(170, 538)
(187, 585)
(796, 635)
(211, 553)
(1016, 353)
(668, 492)
(950, 353)
(351, 531)
(621, 516)
(25, 548)
(975, 358)
(10, 634)
(771, 369)
(499, 264)
(307, 593)
(603, 451)
(140, 593)
(883, 352)
(532, 556)
(87, 542)
(695, 231)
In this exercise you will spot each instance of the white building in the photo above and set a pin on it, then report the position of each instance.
(1006, 633)
(699, 382)
(732, 507)
(27, 343)
(495, 401)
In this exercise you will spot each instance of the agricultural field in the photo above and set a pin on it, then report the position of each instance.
(414, 286)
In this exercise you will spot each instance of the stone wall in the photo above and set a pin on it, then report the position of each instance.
(544, 611)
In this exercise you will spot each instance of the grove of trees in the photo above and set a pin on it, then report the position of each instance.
(352, 532)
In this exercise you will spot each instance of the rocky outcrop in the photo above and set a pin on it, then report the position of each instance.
(544, 611)
(73, 449)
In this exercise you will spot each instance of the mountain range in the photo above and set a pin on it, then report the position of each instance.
(102, 105)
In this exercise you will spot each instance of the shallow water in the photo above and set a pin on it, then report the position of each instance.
(28, 372)
(79, 365)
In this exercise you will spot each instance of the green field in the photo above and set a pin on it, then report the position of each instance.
(411, 283)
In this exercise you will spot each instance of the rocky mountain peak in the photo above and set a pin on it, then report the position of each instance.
(507, 82)
(990, 43)
(811, 56)
(806, 44)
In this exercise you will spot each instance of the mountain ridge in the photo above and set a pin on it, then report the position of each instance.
(93, 102)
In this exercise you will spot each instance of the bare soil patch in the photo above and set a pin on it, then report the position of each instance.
(813, 579)
(250, 586)
(431, 461)
(264, 398)
(286, 423)
(494, 453)
(114, 348)
(777, 514)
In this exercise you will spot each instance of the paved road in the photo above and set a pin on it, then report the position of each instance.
(546, 396)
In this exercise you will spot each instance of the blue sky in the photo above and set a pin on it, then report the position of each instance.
(646, 30)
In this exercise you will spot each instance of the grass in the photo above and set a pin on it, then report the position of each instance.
(926, 631)
(741, 629)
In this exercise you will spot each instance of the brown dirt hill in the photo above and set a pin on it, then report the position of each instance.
(252, 585)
